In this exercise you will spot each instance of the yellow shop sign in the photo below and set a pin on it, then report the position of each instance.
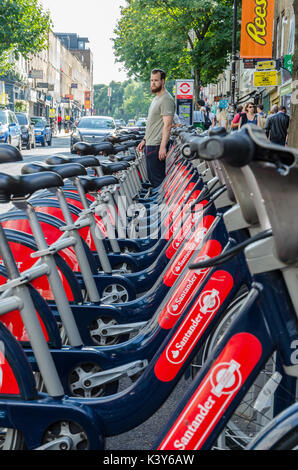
(267, 78)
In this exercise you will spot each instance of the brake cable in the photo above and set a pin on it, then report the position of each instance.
(229, 254)
(218, 192)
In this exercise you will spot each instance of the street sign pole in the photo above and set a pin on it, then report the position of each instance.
(184, 100)
(234, 57)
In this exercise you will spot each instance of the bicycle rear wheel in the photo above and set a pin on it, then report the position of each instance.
(255, 410)
(11, 439)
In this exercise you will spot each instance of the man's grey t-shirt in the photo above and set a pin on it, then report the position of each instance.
(163, 105)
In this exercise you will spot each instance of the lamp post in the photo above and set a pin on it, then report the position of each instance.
(234, 56)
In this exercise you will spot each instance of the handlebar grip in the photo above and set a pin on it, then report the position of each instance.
(237, 149)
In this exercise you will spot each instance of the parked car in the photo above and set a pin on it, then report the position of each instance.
(141, 122)
(42, 130)
(27, 130)
(10, 130)
(92, 129)
(120, 123)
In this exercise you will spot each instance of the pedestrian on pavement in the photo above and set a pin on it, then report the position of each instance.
(59, 122)
(262, 118)
(158, 128)
(250, 116)
(222, 118)
(198, 115)
(236, 118)
(273, 111)
(210, 117)
(277, 127)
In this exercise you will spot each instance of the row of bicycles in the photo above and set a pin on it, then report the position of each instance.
(111, 291)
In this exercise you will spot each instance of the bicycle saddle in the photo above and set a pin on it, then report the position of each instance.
(84, 161)
(68, 170)
(25, 185)
(109, 169)
(9, 154)
(91, 184)
(120, 148)
(83, 148)
(127, 158)
(105, 147)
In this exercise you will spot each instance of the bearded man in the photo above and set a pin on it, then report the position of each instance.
(158, 129)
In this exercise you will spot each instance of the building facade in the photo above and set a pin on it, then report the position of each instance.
(282, 53)
(52, 82)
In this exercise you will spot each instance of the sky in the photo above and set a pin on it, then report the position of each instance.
(96, 20)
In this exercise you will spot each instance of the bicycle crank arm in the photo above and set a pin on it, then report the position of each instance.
(62, 443)
(111, 375)
(116, 330)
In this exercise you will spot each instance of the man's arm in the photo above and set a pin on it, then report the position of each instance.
(141, 145)
(166, 132)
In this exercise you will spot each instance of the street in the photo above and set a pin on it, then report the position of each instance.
(60, 145)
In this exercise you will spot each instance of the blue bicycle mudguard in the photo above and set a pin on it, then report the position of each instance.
(276, 430)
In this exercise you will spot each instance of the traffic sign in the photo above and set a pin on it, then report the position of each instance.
(288, 63)
(267, 78)
(185, 89)
(266, 65)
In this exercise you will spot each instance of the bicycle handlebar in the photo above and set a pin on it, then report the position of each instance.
(240, 148)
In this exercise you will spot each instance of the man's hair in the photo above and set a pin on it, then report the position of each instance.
(239, 108)
(282, 108)
(201, 102)
(161, 71)
(274, 108)
(260, 106)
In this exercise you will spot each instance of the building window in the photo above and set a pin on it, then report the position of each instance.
(277, 50)
(291, 42)
(282, 36)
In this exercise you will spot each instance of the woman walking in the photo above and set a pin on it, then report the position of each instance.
(250, 116)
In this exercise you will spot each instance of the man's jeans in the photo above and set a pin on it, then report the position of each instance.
(156, 168)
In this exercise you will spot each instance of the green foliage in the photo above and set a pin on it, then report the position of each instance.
(21, 106)
(128, 100)
(181, 36)
(24, 28)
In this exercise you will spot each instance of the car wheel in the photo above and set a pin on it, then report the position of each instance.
(50, 142)
(43, 144)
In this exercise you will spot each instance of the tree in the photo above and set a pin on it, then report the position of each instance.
(137, 100)
(128, 100)
(293, 135)
(24, 28)
(183, 37)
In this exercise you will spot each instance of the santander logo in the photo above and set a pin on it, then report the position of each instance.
(214, 393)
(208, 302)
(189, 333)
(188, 287)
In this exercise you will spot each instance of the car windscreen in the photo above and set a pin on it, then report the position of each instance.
(22, 119)
(96, 123)
(38, 123)
(3, 117)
